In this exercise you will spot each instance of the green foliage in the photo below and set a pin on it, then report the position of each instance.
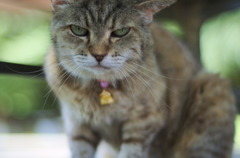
(237, 132)
(173, 27)
(20, 96)
(220, 45)
(24, 38)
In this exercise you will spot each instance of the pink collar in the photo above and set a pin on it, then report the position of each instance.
(104, 84)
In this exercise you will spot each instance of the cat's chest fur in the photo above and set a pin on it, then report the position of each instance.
(85, 101)
(106, 120)
(132, 97)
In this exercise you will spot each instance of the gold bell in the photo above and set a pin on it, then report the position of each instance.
(106, 97)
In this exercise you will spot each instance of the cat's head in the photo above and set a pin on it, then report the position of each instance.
(103, 39)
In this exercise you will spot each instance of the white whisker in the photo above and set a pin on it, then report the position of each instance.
(154, 80)
(60, 88)
(156, 83)
(169, 78)
(47, 95)
(145, 83)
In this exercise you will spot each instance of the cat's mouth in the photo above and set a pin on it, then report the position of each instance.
(100, 68)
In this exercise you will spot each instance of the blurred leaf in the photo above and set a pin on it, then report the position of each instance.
(220, 46)
(19, 96)
(24, 38)
(237, 131)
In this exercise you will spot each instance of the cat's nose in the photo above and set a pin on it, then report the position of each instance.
(99, 58)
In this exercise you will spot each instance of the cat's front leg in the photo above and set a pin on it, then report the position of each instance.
(82, 140)
(81, 147)
(138, 134)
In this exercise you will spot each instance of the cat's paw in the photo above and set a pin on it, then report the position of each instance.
(131, 151)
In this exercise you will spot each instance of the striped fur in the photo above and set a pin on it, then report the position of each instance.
(165, 105)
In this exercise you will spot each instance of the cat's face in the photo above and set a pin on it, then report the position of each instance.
(99, 39)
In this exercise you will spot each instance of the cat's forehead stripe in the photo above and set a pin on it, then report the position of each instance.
(100, 12)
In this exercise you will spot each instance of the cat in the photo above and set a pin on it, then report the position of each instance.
(121, 78)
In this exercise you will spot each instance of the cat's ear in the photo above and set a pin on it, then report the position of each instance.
(150, 7)
(59, 4)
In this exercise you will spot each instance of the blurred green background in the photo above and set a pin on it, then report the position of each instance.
(24, 100)
(25, 38)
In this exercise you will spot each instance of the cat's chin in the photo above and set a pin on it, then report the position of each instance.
(99, 69)
(102, 73)
(97, 72)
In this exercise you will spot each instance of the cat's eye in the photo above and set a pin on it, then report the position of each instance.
(121, 32)
(79, 31)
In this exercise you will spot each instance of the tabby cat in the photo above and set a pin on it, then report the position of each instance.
(121, 78)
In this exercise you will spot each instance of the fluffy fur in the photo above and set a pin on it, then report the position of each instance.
(165, 105)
